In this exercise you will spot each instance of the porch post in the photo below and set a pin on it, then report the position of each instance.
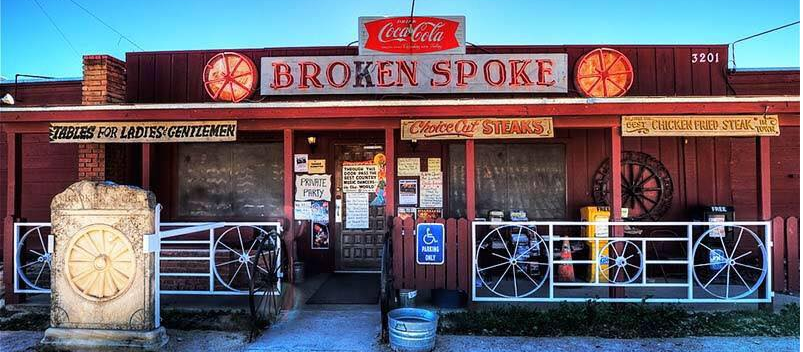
(616, 193)
(764, 186)
(289, 233)
(764, 199)
(146, 166)
(471, 200)
(390, 173)
(13, 201)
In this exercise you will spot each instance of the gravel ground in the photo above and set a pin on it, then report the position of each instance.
(571, 344)
(191, 341)
(196, 341)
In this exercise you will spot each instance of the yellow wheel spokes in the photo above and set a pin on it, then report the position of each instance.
(100, 263)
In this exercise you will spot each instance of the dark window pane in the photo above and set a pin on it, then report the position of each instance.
(236, 180)
(524, 176)
(457, 181)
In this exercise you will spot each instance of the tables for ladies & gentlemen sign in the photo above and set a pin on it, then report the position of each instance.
(479, 128)
(700, 125)
(143, 132)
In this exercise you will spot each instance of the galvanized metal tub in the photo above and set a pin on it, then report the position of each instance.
(412, 329)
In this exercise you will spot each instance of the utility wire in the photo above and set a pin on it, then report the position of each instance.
(57, 27)
(733, 44)
(107, 25)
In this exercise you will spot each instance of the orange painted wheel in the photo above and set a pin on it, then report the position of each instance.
(230, 77)
(604, 73)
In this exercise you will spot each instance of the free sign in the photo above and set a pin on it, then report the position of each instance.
(429, 244)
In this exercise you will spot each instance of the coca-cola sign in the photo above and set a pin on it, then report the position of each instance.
(412, 35)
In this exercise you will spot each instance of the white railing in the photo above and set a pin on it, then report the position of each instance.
(220, 252)
(723, 261)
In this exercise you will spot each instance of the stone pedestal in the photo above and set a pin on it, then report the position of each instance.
(102, 291)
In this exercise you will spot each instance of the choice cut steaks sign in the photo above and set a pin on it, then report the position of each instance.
(484, 128)
(412, 35)
(486, 73)
(143, 132)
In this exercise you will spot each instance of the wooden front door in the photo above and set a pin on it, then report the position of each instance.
(359, 248)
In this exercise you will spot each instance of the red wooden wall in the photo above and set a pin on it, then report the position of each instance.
(175, 76)
(47, 169)
(67, 92)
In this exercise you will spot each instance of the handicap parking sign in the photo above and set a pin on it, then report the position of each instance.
(429, 243)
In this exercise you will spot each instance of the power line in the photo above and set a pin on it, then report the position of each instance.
(57, 27)
(733, 44)
(107, 25)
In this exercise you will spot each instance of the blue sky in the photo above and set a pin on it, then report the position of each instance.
(30, 44)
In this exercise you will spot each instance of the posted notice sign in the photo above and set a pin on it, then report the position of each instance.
(429, 244)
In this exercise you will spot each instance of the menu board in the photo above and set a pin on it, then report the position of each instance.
(357, 210)
(361, 178)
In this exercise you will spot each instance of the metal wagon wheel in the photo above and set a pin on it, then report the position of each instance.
(234, 255)
(647, 186)
(32, 261)
(265, 291)
(622, 260)
(729, 270)
(524, 268)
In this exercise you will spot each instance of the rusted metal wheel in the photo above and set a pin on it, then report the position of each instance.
(646, 186)
(265, 291)
(603, 73)
(230, 77)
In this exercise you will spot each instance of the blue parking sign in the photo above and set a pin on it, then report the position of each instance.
(429, 243)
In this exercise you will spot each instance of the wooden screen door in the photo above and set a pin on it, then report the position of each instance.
(358, 249)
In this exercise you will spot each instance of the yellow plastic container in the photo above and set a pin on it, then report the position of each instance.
(596, 214)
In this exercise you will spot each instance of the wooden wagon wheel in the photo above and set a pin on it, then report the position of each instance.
(230, 77)
(603, 73)
(646, 186)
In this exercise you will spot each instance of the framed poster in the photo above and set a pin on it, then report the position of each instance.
(319, 211)
(320, 235)
(408, 192)
(429, 214)
(406, 212)
(300, 162)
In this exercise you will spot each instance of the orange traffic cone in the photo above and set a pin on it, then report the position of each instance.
(566, 270)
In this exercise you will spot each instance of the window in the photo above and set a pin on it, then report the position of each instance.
(230, 180)
(525, 176)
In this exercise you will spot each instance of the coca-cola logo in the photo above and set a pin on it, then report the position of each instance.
(414, 35)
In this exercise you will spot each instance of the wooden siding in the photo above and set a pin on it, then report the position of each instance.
(44, 93)
(176, 76)
(769, 82)
(47, 169)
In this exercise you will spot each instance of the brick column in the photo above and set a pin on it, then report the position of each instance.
(104, 83)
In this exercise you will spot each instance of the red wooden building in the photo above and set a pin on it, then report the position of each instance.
(253, 178)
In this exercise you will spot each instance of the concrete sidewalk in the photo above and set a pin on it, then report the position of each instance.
(323, 330)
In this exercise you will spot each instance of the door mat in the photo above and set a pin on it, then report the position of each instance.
(348, 288)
